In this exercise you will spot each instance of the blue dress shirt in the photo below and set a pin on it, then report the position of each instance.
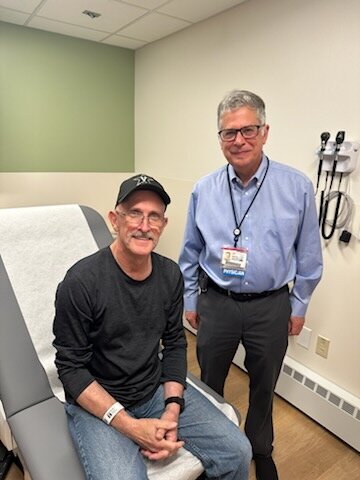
(280, 232)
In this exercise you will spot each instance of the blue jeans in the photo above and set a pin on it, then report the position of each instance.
(209, 435)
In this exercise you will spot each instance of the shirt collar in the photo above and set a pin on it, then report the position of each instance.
(256, 178)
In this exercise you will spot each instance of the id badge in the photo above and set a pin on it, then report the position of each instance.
(234, 261)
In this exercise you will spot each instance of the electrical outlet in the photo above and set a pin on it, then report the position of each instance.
(322, 346)
(305, 337)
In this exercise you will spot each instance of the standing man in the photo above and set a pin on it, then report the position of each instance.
(252, 229)
(124, 403)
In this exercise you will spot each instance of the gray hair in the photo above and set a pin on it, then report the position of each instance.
(241, 98)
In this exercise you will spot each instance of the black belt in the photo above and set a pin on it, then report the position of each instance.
(244, 297)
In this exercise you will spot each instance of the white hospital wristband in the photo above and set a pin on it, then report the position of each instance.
(111, 412)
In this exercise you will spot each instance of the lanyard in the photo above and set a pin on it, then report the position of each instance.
(237, 229)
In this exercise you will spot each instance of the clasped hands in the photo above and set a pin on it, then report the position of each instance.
(157, 437)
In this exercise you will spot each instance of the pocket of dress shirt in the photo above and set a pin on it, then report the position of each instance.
(279, 234)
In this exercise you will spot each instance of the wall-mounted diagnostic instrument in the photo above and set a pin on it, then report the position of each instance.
(337, 159)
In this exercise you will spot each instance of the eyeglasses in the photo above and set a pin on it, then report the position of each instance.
(229, 134)
(136, 217)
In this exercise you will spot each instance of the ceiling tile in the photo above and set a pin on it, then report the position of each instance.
(26, 6)
(126, 23)
(124, 42)
(66, 29)
(13, 17)
(194, 11)
(154, 26)
(149, 4)
(114, 15)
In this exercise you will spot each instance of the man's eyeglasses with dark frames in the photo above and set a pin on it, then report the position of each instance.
(248, 132)
(136, 218)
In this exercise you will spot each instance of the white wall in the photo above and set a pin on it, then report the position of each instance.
(302, 57)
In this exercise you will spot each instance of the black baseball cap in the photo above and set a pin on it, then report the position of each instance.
(141, 182)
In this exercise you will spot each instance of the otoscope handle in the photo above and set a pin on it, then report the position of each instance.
(340, 137)
(324, 139)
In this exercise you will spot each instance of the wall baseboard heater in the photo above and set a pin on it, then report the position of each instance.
(329, 405)
(323, 401)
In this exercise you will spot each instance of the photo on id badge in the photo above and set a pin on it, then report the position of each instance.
(233, 261)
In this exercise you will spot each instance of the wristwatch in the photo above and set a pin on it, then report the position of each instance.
(179, 400)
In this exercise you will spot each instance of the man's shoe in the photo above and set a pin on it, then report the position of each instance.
(265, 468)
(6, 459)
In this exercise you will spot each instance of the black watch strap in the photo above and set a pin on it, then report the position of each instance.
(179, 400)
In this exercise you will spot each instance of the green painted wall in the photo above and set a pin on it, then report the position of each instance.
(66, 105)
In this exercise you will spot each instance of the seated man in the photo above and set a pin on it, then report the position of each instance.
(124, 403)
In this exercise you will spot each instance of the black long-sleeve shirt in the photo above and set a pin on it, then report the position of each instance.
(108, 327)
